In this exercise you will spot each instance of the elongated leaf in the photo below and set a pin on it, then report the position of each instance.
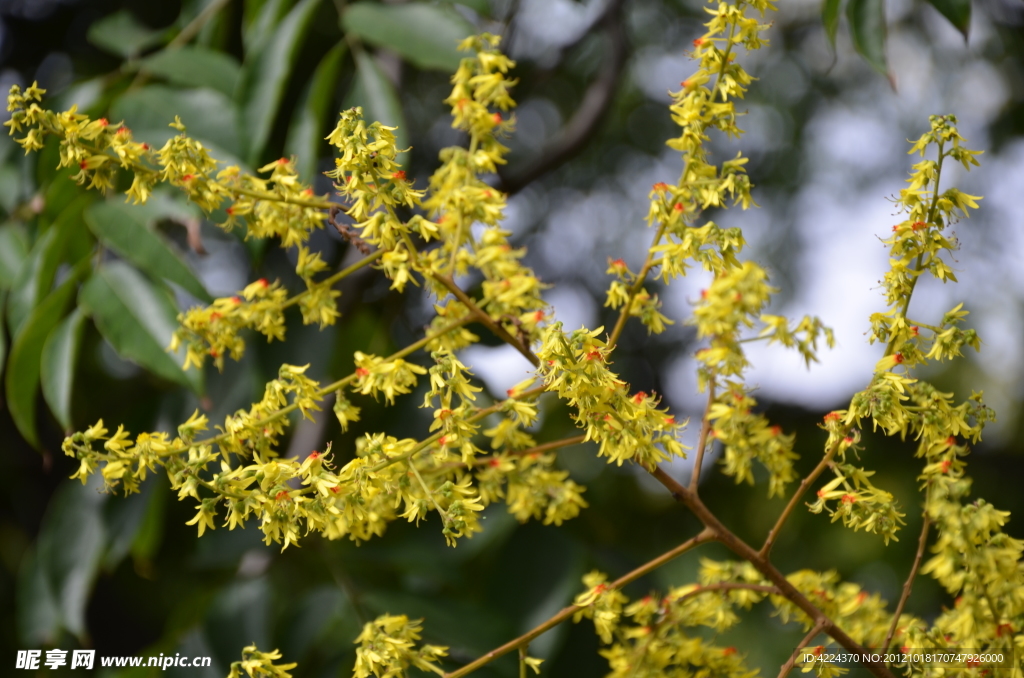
(37, 611)
(10, 188)
(375, 93)
(122, 520)
(265, 77)
(36, 276)
(124, 229)
(71, 543)
(121, 34)
(307, 131)
(34, 280)
(13, 252)
(427, 36)
(957, 11)
(830, 18)
(60, 355)
(137, 319)
(867, 26)
(257, 29)
(195, 67)
(22, 380)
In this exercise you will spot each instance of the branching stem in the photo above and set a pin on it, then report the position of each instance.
(702, 439)
(922, 541)
(788, 666)
(566, 613)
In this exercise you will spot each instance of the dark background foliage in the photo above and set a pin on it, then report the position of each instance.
(265, 79)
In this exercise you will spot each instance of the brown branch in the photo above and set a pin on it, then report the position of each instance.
(788, 666)
(804, 484)
(908, 584)
(763, 565)
(523, 640)
(702, 439)
(486, 320)
(591, 111)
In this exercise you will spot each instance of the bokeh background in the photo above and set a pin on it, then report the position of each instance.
(827, 137)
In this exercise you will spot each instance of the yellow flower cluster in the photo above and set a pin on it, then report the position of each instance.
(387, 647)
(256, 664)
(648, 637)
(626, 426)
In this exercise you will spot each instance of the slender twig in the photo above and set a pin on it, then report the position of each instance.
(773, 534)
(702, 439)
(921, 542)
(763, 565)
(522, 661)
(340, 275)
(635, 288)
(430, 495)
(788, 666)
(479, 315)
(524, 640)
(345, 583)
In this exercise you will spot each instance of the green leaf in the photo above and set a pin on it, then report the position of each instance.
(867, 27)
(195, 67)
(307, 131)
(264, 78)
(258, 29)
(37, 612)
(36, 276)
(957, 11)
(126, 231)
(22, 380)
(208, 114)
(150, 533)
(71, 544)
(121, 34)
(13, 252)
(375, 93)
(60, 355)
(830, 18)
(481, 7)
(427, 36)
(123, 518)
(10, 188)
(3, 335)
(137, 319)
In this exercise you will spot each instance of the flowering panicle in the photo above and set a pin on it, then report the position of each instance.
(459, 198)
(894, 401)
(704, 102)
